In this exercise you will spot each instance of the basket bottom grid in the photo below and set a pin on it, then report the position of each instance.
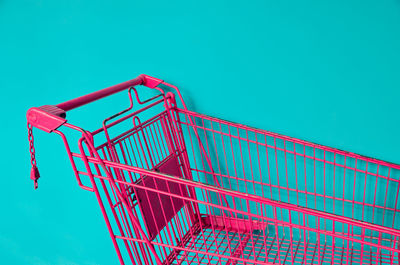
(209, 246)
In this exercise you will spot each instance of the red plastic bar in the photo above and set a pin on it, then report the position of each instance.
(142, 79)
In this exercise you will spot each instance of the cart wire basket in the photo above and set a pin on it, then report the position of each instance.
(179, 187)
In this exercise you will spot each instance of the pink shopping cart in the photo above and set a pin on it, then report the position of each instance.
(179, 187)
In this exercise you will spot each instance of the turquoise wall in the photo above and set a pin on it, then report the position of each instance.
(324, 71)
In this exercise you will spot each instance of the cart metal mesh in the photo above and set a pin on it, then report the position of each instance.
(179, 187)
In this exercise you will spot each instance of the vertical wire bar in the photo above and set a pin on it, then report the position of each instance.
(324, 186)
(351, 253)
(395, 208)
(306, 192)
(315, 185)
(277, 170)
(315, 181)
(191, 144)
(333, 241)
(364, 192)
(251, 229)
(354, 194)
(216, 154)
(219, 169)
(374, 204)
(291, 236)
(229, 177)
(242, 160)
(201, 228)
(226, 159)
(362, 245)
(259, 167)
(265, 231)
(182, 153)
(393, 252)
(286, 170)
(378, 253)
(348, 245)
(385, 201)
(287, 182)
(305, 238)
(234, 163)
(296, 178)
(334, 195)
(344, 190)
(315, 250)
(318, 239)
(277, 175)
(268, 165)
(277, 234)
(251, 163)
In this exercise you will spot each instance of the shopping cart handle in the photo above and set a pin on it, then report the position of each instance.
(49, 117)
(145, 80)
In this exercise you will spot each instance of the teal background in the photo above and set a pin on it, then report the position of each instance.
(324, 71)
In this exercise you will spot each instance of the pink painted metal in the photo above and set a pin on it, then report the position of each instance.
(179, 187)
(145, 80)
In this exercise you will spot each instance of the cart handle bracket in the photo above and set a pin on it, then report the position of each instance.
(46, 118)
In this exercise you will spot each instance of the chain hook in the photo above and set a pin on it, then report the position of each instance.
(34, 170)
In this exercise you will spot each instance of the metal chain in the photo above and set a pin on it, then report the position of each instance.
(34, 170)
(31, 146)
